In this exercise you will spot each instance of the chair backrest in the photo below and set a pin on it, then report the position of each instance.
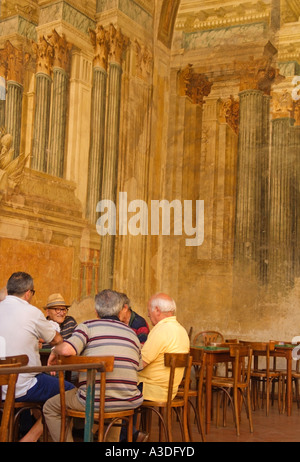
(106, 364)
(242, 363)
(178, 360)
(262, 349)
(207, 337)
(190, 333)
(10, 380)
(17, 360)
(199, 358)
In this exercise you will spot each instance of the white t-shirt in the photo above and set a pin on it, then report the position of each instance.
(21, 326)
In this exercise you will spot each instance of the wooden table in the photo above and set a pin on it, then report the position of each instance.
(214, 355)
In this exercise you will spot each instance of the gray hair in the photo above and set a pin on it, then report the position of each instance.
(163, 302)
(125, 299)
(19, 283)
(108, 303)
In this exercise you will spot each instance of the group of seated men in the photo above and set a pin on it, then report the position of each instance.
(139, 372)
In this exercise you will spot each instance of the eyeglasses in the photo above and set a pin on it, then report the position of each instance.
(60, 310)
(32, 291)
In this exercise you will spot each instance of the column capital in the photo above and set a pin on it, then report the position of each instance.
(282, 104)
(14, 66)
(100, 38)
(193, 85)
(61, 50)
(230, 113)
(257, 74)
(118, 44)
(44, 55)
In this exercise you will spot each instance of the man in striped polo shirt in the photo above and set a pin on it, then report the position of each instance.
(104, 336)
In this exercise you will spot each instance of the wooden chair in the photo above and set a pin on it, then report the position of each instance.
(106, 364)
(7, 406)
(207, 337)
(199, 357)
(238, 384)
(265, 376)
(163, 409)
(295, 374)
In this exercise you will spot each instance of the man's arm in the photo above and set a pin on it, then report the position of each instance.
(62, 349)
(57, 339)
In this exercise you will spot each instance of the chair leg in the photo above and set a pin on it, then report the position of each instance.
(236, 411)
(268, 383)
(200, 419)
(249, 408)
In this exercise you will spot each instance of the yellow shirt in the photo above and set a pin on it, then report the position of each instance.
(168, 336)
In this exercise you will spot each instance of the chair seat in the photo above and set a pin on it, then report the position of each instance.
(226, 382)
(263, 374)
(176, 402)
(107, 415)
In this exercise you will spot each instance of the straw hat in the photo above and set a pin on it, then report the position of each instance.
(55, 300)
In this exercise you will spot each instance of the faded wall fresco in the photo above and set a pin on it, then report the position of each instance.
(186, 101)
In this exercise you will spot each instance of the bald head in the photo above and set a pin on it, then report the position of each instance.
(160, 306)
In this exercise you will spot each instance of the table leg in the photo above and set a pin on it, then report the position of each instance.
(89, 407)
(209, 373)
(289, 393)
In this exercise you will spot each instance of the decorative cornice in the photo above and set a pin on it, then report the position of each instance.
(190, 19)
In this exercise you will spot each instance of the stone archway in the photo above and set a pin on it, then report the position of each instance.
(167, 19)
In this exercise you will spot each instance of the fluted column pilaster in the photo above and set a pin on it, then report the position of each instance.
(55, 158)
(251, 180)
(96, 141)
(118, 44)
(44, 60)
(41, 122)
(283, 203)
(13, 113)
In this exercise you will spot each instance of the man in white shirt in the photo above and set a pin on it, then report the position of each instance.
(21, 326)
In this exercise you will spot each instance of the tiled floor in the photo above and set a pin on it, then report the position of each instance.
(274, 428)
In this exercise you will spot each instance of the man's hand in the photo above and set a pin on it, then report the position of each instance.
(52, 361)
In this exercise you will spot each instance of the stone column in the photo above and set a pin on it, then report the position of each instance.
(14, 96)
(56, 151)
(100, 39)
(283, 204)
(118, 45)
(44, 54)
(252, 169)
(3, 75)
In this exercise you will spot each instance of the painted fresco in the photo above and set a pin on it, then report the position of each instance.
(138, 101)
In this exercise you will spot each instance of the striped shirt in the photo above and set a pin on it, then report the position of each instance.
(66, 329)
(111, 337)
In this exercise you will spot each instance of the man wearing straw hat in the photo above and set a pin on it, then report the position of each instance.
(56, 312)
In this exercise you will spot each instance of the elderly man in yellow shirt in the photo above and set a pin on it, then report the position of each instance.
(167, 336)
